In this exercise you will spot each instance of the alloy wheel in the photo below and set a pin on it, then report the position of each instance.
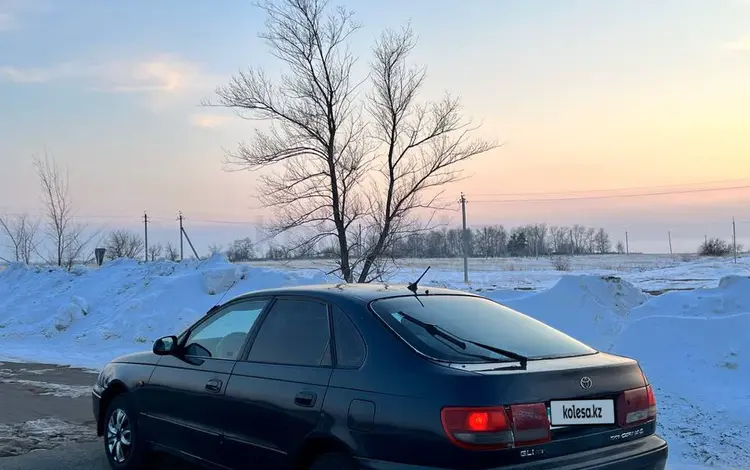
(119, 436)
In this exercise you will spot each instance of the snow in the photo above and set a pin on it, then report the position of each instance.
(51, 389)
(687, 322)
(701, 372)
(93, 315)
(590, 308)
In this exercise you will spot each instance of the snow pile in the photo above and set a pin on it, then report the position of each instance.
(700, 368)
(732, 296)
(91, 315)
(690, 275)
(592, 309)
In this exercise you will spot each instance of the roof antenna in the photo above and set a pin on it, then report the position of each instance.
(413, 286)
(218, 304)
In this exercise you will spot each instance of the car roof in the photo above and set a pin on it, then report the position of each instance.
(363, 292)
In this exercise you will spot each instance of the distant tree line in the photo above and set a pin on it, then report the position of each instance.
(497, 241)
(492, 241)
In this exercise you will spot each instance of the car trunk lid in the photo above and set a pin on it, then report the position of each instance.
(590, 401)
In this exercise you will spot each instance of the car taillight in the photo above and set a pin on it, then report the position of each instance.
(530, 424)
(636, 406)
(494, 428)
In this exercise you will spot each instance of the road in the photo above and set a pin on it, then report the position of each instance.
(46, 422)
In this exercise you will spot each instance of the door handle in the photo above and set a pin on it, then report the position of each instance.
(305, 399)
(214, 385)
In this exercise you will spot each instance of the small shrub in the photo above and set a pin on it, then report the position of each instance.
(561, 263)
(715, 247)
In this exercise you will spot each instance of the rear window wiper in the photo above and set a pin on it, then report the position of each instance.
(436, 331)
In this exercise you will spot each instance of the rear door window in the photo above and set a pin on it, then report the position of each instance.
(473, 319)
(295, 332)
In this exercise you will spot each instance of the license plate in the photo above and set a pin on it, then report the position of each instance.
(571, 413)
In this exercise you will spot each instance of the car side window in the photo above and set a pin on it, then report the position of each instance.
(350, 347)
(295, 332)
(223, 335)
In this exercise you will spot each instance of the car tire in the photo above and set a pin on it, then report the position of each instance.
(124, 449)
(334, 461)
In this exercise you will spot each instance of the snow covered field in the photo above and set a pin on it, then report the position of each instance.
(693, 340)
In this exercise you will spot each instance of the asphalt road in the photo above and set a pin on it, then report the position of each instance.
(83, 456)
(46, 420)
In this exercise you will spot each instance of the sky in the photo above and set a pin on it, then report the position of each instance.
(587, 97)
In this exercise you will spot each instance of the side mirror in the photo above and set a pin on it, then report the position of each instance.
(165, 346)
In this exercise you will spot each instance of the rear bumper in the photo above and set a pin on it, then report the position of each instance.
(649, 453)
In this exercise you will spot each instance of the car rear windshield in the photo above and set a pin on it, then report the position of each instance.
(473, 319)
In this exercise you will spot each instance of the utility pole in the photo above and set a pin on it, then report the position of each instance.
(627, 244)
(466, 240)
(145, 234)
(669, 234)
(181, 242)
(734, 238)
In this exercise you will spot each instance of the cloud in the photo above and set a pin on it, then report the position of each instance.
(740, 45)
(161, 74)
(159, 80)
(8, 22)
(11, 12)
(41, 75)
(208, 121)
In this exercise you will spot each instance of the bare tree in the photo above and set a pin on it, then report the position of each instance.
(241, 250)
(214, 249)
(78, 241)
(560, 239)
(124, 244)
(69, 240)
(316, 132)
(339, 169)
(154, 251)
(171, 252)
(578, 238)
(602, 241)
(422, 144)
(21, 231)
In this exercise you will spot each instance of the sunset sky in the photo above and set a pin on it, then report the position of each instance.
(588, 97)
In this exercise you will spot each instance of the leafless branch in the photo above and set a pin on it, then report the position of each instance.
(317, 133)
(348, 170)
(21, 231)
(423, 145)
(124, 244)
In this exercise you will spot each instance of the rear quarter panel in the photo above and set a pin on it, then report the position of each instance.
(395, 397)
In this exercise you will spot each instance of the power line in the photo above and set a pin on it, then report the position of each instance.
(613, 196)
(634, 188)
(133, 218)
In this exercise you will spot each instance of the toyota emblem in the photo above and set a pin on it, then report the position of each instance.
(586, 382)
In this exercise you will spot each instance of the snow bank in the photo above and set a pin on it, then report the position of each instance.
(691, 275)
(88, 316)
(700, 368)
(732, 296)
(592, 309)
